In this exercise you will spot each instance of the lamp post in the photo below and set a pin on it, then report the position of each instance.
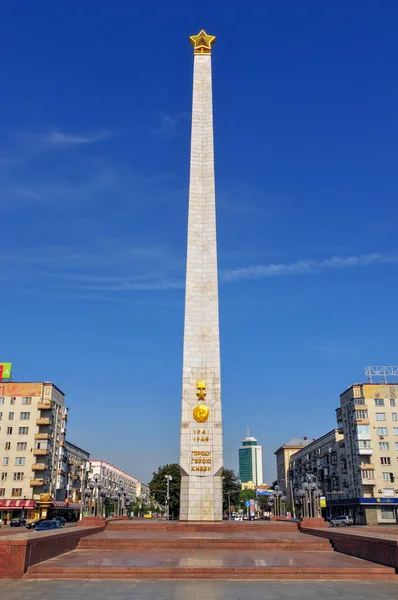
(277, 494)
(95, 486)
(168, 479)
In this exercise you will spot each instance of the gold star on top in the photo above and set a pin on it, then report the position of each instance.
(202, 42)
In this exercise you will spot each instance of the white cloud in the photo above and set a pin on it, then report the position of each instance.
(304, 267)
(59, 139)
(170, 125)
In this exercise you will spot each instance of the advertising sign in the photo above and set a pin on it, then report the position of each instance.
(247, 502)
(252, 508)
(20, 389)
(264, 493)
(5, 370)
(322, 502)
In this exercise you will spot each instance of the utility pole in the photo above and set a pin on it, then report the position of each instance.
(168, 479)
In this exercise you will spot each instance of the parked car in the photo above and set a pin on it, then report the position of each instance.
(60, 520)
(32, 524)
(17, 522)
(48, 525)
(341, 521)
(238, 518)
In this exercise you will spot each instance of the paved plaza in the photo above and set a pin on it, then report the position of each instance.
(198, 590)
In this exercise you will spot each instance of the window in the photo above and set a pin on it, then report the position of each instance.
(1, 416)
(3, 476)
(368, 474)
(382, 431)
(5, 460)
(10, 416)
(364, 444)
(17, 477)
(379, 401)
(361, 414)
(387, 513)
(23, 430)
(25, 416)
(27, 400)
(385, 460)
(386, 476)
(396, 445)
(384, 446)
(13, 401)
(7, 446)
(16, 492)
(20, 460)
(21, 445)
(392, 401)
(395, 430)
(9, 430)
(394, 416)
(2, 492)
(1, 400)
(380, 416)
(363, 429)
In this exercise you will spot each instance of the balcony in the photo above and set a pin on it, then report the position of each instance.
(43, 421)
(368, 482)
(65, 417)
(39, 467)
(367, 466)
(40, 452)
(44, 405)
(365, 451)
(36, 482)
(359, 421)
(42, 436)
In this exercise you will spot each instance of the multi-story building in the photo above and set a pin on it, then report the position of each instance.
(114, 480)
(322, 460)
(283, 455)
(368, 418)
(79, 469)
(33, 421)
(250, 461)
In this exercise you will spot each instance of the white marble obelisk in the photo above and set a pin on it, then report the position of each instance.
(201, 458)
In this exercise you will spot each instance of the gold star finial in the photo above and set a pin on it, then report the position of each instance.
(202, 42)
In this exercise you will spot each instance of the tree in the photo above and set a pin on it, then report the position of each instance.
(158, 487)
(230, 489)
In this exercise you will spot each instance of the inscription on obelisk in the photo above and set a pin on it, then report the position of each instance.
(201, 454)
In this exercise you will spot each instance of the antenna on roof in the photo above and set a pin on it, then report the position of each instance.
(247, 432)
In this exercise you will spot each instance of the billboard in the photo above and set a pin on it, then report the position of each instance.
(20, 389)
(5, 370)
(380, 391)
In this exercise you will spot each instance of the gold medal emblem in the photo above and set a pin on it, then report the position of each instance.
(201, 413)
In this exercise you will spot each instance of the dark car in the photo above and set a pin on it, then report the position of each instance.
(32, 524)
(48, 526)
(17, 522)
(60, 520)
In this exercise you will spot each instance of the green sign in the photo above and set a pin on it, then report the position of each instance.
(5, 370)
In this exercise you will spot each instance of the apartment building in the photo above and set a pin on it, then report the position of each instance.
(33, 419)
(79, 470)
(114, 480)
(283, 455)
(368, 418)
(322, 460)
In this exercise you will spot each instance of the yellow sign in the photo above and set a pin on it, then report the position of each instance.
(380, 391)
(322, 502)
(20, 389)
(201, 413)
(5, 370)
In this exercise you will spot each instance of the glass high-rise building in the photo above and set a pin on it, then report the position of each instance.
(250, 461)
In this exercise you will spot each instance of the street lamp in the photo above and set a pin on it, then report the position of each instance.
(95, 488)
(168, 479)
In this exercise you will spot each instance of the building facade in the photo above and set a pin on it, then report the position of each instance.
(250, 462)
(78, 473)
(368, 419)
(283, 455)
(114, 480)
(33, 421)
(322, 460)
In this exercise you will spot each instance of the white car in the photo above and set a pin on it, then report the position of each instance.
(238, 518)
(341, 521)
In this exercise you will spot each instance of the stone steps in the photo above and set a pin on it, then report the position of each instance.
(229, 527)
(202, 544)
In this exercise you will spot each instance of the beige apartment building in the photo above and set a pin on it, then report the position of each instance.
(33, 467)
(79, 470)
(368, 419)
(283, 455)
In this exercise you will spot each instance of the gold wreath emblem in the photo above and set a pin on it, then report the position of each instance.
(201, 413)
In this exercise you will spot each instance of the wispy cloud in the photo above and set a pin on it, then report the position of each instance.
(305, 267)
(334, 348)
(56, 138)
(170, 125)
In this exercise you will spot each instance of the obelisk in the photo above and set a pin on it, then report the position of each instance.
(201, 454)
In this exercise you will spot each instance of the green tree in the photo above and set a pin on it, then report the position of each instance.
(158, 487)
(230, 489)
(247, 495)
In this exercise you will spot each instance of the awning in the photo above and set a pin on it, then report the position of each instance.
(72, 505)
(17, 503)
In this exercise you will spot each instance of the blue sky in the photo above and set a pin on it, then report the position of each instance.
(94, 157)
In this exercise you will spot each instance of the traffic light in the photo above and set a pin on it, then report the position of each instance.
(392, 478)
